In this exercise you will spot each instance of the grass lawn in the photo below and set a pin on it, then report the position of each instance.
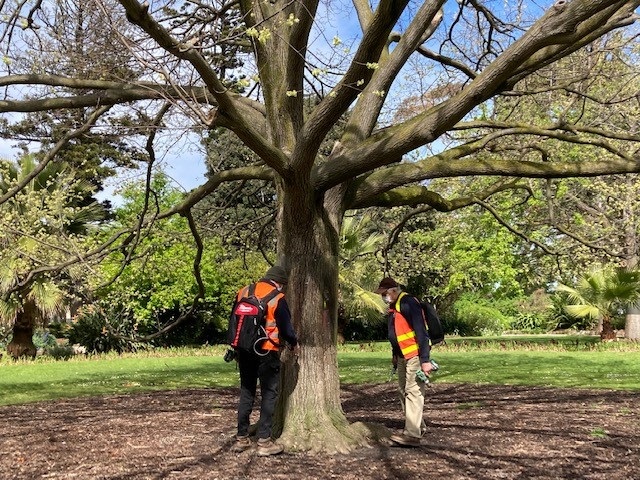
(615, 366)
(615, 370)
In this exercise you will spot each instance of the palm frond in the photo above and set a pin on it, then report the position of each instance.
(599, 292)
(8, 276)
(48, 297)
(361, 300)
(572, 294)
(583, 311)
(8, 311)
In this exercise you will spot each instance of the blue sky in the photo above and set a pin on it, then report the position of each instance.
(182, 159)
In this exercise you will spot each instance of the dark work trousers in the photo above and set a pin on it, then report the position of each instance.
(253, 368)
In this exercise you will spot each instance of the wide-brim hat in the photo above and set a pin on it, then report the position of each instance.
(385, 284)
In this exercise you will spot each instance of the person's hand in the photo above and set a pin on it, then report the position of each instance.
(427, 367)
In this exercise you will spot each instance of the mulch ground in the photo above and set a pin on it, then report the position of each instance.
(475, 432)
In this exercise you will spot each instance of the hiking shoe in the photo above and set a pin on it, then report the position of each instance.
(242, 444)
(405, 440)
(268, 447)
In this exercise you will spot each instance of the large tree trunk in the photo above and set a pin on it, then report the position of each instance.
(632, 320)
(632, 324)
(21, 344)
(310, 413)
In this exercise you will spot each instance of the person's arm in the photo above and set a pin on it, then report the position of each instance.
(283, 322)
(412, 310)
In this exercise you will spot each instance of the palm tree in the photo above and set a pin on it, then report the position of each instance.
(41, 226)
(359, 273)
(600, 293)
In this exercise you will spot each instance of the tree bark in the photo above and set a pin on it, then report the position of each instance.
(632, 324)
(21, 344)
(309, 415)
(607, 333)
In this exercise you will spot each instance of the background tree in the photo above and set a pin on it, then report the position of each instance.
(599, 295)
(583, 220)
(242, 214)
(42, 229)
(480, 52)
(75, 40)
(158, 283)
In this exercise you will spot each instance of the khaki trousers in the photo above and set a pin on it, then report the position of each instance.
(411, 397)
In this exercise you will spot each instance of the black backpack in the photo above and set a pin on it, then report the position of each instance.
(247, 322)
(434, 325)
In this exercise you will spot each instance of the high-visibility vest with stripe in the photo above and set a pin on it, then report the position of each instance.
(405, 335)
(262, 289)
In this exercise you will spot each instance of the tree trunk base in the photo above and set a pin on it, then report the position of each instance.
(329, 439)
(19, 350)
(632, 326)
(21, 345)
(608, 333)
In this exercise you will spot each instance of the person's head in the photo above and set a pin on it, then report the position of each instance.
(389, 290)
(277, 274)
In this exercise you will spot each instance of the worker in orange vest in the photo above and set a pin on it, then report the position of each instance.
(410, 345)
(263, 363)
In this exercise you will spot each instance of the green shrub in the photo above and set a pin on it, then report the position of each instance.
(5, 336)
(534, 313)
(474, 316)
(93, 330)
(533, 322)
(59, 329)
(364, 331)
(201, 328)
(60, 352)
(42, 340)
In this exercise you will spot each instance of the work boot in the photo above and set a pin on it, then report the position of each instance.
(405, 440)
(242, 443)
(267, 447)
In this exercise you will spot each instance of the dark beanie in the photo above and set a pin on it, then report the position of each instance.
(277, 274)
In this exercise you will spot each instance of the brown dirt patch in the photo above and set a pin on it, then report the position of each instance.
(475, 432)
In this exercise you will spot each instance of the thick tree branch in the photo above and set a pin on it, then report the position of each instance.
(452, 162)
(114, 93)
(557, 26)
(256, 172)
(367, 110)
(599, 24)
(228, 106)
(421, 195)
(374, 40)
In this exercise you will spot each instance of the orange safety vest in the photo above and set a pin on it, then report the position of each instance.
(261, 291)
(405, 335)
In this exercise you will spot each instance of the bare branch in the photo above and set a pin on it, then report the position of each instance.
(227, 104)
(564, 23)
